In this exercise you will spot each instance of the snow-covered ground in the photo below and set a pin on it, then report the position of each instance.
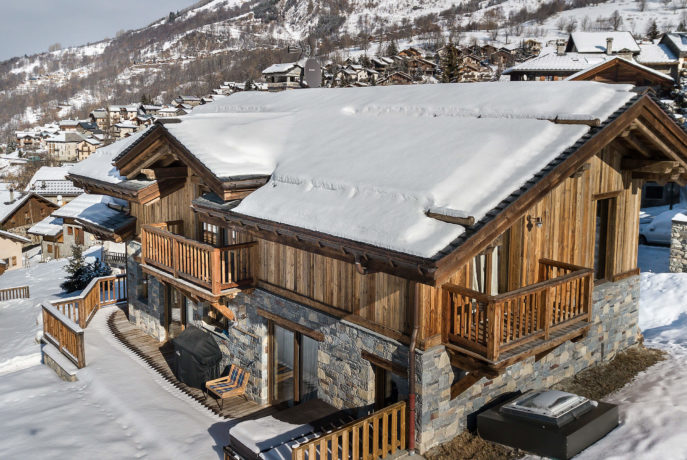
(119, 408)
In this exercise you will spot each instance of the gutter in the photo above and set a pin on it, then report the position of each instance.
(411, 372)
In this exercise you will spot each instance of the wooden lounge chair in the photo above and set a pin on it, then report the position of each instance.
(233, 384)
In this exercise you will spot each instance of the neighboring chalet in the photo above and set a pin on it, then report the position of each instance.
(676, 42)
(124, 129)
(19, 212)
(51, 182)
(374, 246)
(284, 76)
(585, 50)
(620, 70)
(396, 78)
(11, 246)
(50, 233)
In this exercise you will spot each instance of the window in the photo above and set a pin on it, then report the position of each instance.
(70, 230)
(49, 248)
(489, 270)
(603, 241)
(210, 234)
(654, 192)
(14, 261)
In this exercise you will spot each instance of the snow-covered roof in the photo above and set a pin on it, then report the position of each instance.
(549, 60)
(50, 226)
(99, 166)
(10, 202)
(127, 125)
(595, 42)
(281, 68)
(94, 209)
(677, 39)
(51, 181)
(14, 236)
(656, 54)
(66, 137)
(366, 164)
(632, 63)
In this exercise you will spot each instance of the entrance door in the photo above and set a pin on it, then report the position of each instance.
(293, 366)
(176, 313)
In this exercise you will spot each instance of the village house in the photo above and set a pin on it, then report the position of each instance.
(101, 118)
(676, 42)
(11, 246)
(171, 112)
(458, 271)
(49, 232)
(18, 212)
(396, 78)
(69, 126)
(421, 66)
(584, 50)
(51, 182)
(192, 101)
(124, 129)
(283, 76)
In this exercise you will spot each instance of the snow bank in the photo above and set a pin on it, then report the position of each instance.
(662, 299)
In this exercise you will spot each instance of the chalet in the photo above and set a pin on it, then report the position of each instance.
(502, 58)
(602, 43)
(28, 140)
(86, 148)
(11, 246)
(51, 182)
(283, 76)
(329, 266)
(532, 46)
(676, 42)
(19, 212)
(151, 109)
(69, 125)
(620, 70)
(396, 78)
(87, 220)
(101, 118)
(659, 57)
(65, 146)
(421, 66)
(192, 101)
(49, 232)
(381, 64)
(411, 53)
(125, 128)
(170, 112)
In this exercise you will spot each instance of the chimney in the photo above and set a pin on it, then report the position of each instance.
(11, 194)
(609, 45)
(560, 47)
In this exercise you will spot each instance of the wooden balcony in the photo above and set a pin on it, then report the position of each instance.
(212, 269)
(498, 329)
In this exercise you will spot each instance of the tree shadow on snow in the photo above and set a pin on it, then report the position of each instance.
(674, 333)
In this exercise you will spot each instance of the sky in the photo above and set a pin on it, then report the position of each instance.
(31, 26)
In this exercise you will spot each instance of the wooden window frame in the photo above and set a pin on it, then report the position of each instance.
(609, 269)
(70, 230)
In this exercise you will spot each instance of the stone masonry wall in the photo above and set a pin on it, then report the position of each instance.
(678, 247)
(614, 328)
(149, 316)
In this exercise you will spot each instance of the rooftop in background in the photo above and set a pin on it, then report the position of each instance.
(595, 42)
(52, 181)
(97, 210)
(50, 226)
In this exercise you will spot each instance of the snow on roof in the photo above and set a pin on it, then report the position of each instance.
(94, 209)
(10, 202)
(49, 181)
(549, 60)
(14, 236)
(280, 68)
(365, 164)
(679, 40)
(595, 42)
(64, 137)
(127, 124)
(632, 63)
(99, 164)
(50, 226)
(656, 54)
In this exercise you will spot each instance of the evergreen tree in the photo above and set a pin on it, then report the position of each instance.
(392, 49)
(249, 85)
(653, 33)
(449, 64)
(80, 272)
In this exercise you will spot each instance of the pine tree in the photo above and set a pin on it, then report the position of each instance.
(392, 49)
(249, 85)
(653, 33)
(449, 64)
(80, 272)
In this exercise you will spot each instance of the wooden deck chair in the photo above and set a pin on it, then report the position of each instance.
(233, 384)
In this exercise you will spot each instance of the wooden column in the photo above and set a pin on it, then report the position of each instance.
(216, 272)
(494, 330)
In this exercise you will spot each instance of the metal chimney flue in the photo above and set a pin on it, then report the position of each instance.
(609, 45)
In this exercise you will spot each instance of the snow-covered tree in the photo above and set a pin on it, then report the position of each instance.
(80, 272)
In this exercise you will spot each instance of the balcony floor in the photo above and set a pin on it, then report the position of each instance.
(187, 285)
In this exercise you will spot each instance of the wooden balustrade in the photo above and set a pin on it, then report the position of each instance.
(376, 436)
(21, 292)
(488, 325)
(215, 269)
(114, 258)
(65, 334)
(100, 292)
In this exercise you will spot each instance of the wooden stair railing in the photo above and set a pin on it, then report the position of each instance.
(21, 292)
(65, 334)
(373, 437)
(215, 269)
(488, 325)
(100, 292)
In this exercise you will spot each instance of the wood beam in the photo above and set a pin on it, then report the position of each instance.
(385, 364)
(178, 172)
(636, 145)
(313, 334)
(470, 364)
(464, 221)
(632, 164)
(588, 122)
(224, 310)
(660, 145)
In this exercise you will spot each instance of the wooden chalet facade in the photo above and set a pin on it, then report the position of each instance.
(521, 289)
(19, 214)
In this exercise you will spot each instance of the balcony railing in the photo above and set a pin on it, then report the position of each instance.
(486, 326)
(215, 269)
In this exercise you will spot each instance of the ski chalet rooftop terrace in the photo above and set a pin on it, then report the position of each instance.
(369, 164)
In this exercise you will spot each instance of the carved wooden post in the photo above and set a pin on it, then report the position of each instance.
(447, 310)
(548, 312)
(175, 257)
(588, 295)
(494, 330)
(143, 246)
(82, 313)
(216, 271)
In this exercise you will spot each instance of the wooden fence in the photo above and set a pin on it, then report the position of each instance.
(21, 292)
(215, 269)
(114, 258)
(100, 292)
(376, 436)
(65, 334)
(488, 325)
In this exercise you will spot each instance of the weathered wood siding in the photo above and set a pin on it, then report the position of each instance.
(172, 207)
(567, 233)
(381, 298)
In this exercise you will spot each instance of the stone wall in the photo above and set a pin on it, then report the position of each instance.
(614, 328)
(147, 314)
(678, 245)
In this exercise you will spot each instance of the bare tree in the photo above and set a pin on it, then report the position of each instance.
(571, 26)
(586, 24)
(616, 20)
(561, 23)
(642, 5)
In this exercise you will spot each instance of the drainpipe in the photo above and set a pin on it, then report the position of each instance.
(411, 371)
